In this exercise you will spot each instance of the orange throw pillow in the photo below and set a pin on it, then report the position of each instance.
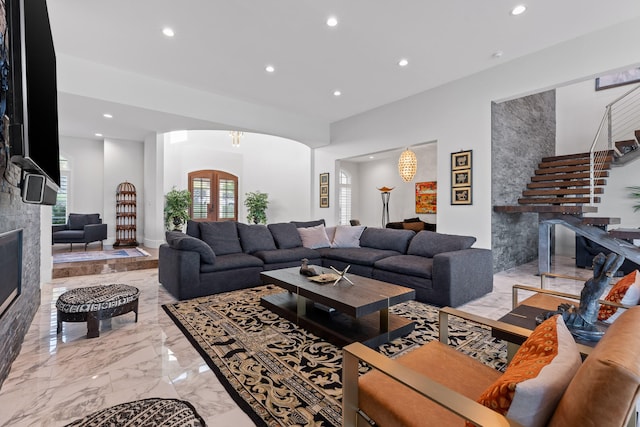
(621, 293)
(538, 375)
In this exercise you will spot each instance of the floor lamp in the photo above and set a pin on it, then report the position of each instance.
(385, 193)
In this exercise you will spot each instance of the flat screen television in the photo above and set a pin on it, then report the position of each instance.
(32, 102)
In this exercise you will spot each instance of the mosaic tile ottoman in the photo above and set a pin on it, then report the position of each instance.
(153, 412)
(94, 303)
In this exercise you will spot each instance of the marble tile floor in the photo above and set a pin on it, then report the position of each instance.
(59, 378)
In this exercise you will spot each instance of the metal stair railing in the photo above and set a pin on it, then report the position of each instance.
(622, 117)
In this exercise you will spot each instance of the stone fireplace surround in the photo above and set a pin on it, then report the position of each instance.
(16, 320)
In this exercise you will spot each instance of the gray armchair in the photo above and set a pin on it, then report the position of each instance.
(80, 228)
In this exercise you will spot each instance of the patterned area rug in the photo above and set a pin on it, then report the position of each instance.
(59, 258)
(281, 374)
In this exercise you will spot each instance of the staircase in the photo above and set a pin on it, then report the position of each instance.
(565, 188)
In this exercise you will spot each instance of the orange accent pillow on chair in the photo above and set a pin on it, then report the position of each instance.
(625, 291)
(537, 377)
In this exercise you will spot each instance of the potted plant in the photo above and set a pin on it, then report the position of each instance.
(176, 207)
(635, 193)
(257, 204)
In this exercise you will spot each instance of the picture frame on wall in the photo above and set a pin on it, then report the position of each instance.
(324, 190)
(461, 196)
(461, 183)
(461, 178)
(461, 160)
(426, 197)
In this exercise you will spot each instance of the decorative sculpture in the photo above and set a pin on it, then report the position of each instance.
(581, 321)
(341, 274)
(305, 270)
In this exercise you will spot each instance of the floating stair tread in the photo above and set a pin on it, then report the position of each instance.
(576, 156)
(570, 176)
(562, 192)
(571, 162)
(565, 210)
(570, 169)
(556, 200)
(562, 184)
(594, 220)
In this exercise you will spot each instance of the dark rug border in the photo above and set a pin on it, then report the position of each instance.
(223, 380)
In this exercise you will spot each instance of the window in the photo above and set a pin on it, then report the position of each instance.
(59, 210)
(344, 197)
(214, 196)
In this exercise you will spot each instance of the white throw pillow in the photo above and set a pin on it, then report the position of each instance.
(347, 236)
(314, 237)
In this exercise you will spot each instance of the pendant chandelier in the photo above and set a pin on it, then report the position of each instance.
(407, 165)
(235, 137)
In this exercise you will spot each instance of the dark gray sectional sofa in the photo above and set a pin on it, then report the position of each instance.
(214, 257)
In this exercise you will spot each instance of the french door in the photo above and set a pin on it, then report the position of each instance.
(214, 196)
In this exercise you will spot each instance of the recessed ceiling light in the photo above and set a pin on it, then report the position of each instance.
(98, 134)
(403, 62)
(518, 10)
(372, 157)
(107, 115)
(337, 93)
(498, 54)
(269, 69)
(332, 21)
(168, 32)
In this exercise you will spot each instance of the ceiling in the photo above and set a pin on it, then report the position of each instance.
(222, 47)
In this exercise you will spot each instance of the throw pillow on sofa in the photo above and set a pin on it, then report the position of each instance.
(428, 243)
(255, 237)
(347, 236)
(221, 236)
(314, 237)
(285, 235)
(178, 240)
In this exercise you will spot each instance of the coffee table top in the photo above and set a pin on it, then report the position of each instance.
(363, 297)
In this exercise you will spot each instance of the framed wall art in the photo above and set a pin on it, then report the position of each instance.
(324, 190)
(461, 169)
(426, 197)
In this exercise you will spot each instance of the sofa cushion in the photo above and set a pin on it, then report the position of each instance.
(347, 236)
(314, 237)
(255, 237)
(415, 226)
(626, 291)
(285, 235)
(428, 243)
(361, 256)
(180, 241)
(78, 221)
(221, 236)
(193, 229)
(305, 224)
(287, 255)
(537, 377)
(386, 238)
(411, 265)
(231, 262)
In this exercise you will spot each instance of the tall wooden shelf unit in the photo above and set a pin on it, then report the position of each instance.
(126, 215)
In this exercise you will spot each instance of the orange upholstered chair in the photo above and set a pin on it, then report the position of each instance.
(438, 386)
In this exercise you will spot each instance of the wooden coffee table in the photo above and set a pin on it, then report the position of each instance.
(343, 313)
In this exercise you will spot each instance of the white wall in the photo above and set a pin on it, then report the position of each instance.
(270, 164)
(123, 162)
(579, 109)
(458, 116)
(86, 180)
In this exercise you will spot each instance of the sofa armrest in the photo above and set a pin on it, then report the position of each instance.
(515, 302)
(59, 227)
(441, 395)
(461, 276)
(177, 268)
(95, 232)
